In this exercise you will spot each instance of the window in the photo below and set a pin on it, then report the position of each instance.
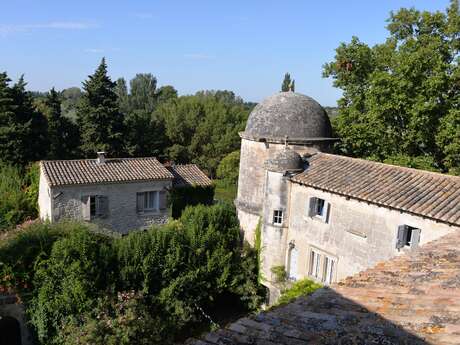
(322, 267)
(408, 236)
(292, 264)
(328, 272)
(319, 208)
(94, 206)
(278, 217)
(315, 264)
(151, 201)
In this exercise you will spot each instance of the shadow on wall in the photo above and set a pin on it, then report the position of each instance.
(10, 331)
(325, 317)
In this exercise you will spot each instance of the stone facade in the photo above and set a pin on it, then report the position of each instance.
(251, 179)
(62, 202)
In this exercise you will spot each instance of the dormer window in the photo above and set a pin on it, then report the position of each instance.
(278, 217)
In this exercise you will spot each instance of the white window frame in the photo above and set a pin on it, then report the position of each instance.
(329, 267)
(146, 197)
(322, 267)
(314, 269)
(278, 217)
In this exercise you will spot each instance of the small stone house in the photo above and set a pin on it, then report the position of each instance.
(121, 194)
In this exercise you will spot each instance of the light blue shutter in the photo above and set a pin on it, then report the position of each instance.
(311, 207)
(401, 236)
(415, 238)
(86, 207)
(140, 202)
(163, 203)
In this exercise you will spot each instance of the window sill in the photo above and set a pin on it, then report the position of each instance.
(315, 218)
(151, 212)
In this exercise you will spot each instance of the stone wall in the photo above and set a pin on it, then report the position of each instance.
(251, 179)
(66, 202)
(358, 234)
(10, 307)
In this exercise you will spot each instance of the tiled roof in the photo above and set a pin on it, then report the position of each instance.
(189, 175)
(114, 170)
(432, 195)
(411, 299)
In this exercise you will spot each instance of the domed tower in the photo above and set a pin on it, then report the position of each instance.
(286, 119)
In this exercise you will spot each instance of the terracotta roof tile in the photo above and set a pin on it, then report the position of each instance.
(411, 299)
(432, 195)
(189, 175)
(114, 170)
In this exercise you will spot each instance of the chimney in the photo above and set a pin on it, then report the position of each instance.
(100, 157)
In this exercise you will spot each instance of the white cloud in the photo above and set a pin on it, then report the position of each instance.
(199, 56)
(6, 29)
(94, 50)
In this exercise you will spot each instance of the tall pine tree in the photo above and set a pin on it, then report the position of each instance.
(100, 120)
(22, 127)
(62, 133)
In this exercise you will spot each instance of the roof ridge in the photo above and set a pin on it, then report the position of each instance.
(93, 159)
(438, 174)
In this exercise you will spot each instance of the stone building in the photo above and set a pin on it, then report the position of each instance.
(326, 216)
(120, 194)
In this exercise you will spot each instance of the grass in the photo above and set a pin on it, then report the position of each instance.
(224, 192)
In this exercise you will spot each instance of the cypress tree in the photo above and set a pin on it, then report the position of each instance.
(99, 117)
(286, 85)
(22, 127)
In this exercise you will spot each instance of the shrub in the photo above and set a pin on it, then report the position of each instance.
(15, 206)
(299, 288)
(69, 280)
(228, 168)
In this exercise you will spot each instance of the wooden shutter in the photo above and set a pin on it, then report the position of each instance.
(415, 238)
(86, 207)
(140, 202)
(326, 211)
(163, 203)
(102, 206)
(311, 207)
(402, 230)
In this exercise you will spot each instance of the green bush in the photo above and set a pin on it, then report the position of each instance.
(299, 288)
(84, 287)
(68, 282)
(180, 198)
(15, 206)
(228, 168)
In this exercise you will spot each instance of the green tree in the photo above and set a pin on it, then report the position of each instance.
(22, 127)
(228, 168)
(202, 128)
(165, 93)
(62, 133)
(143, 92)
(397, 94)
(100, 120)
(285, 86)
(121, 89)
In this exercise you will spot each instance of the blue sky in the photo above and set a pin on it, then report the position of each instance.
(244, 46)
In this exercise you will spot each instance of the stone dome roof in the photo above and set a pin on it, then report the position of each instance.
(288, 114)
(284, 160)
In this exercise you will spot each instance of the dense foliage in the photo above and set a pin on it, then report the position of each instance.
(180, 198)
(149, 287)
(401, 97)
(228, 168)
(297, 289)
(18, 195)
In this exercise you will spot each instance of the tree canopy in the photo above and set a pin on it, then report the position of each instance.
(401, 97)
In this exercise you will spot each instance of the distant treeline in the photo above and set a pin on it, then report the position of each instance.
(139, 120)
